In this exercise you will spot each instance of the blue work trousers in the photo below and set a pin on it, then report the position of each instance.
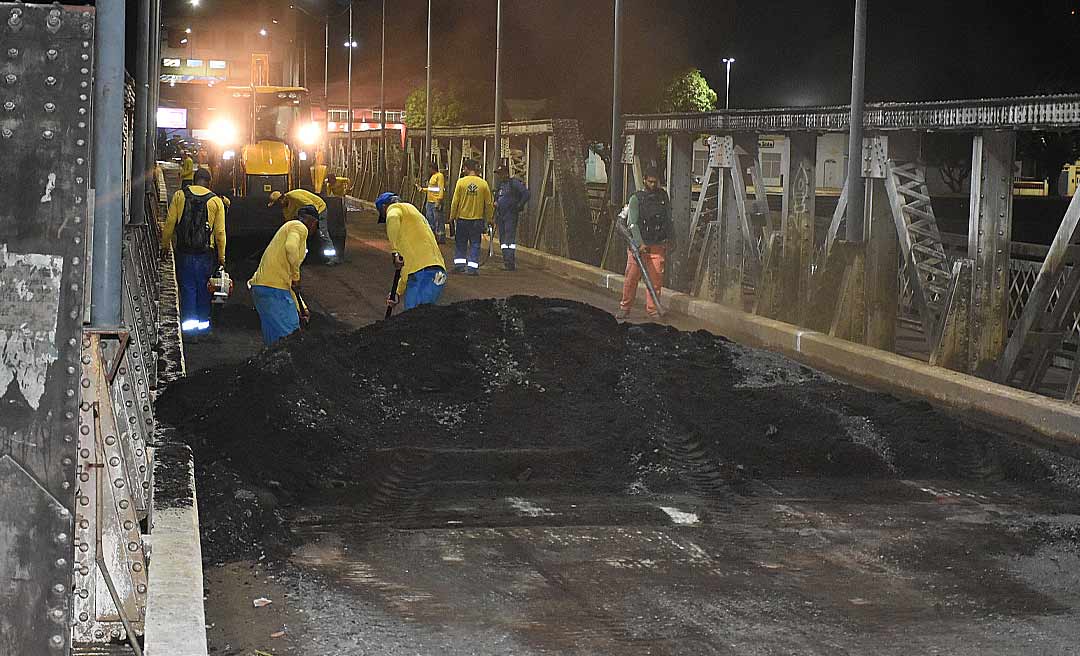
(436, 219)
(277, 312)
(193, 272)
(507, 223)
(467, 239)
(425, 286)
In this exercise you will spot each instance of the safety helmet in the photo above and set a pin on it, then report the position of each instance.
(274, 196)
(384, 199)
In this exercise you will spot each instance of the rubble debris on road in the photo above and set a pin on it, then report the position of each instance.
(542, 389)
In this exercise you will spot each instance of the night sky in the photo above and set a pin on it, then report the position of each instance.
(788, 52)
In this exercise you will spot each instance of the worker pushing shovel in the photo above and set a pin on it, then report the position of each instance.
(419, 269)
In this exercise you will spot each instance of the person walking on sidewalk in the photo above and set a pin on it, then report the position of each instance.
(511, 198)
(195, 230)
(276, 282)
(423, 270)
(649, 220)
(291, 203)
(433, 208)
(471, 209)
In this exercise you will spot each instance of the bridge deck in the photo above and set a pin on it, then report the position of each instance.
(808, 566)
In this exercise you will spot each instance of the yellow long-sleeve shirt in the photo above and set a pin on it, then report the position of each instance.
(472, 200)
(187, 168)
(215, 215)
(411, 236)
(436, 188)
(280, 264)
(298, 198)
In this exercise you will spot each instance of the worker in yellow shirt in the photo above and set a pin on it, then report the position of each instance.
(472, 208)
(436, 194)
(276, 282)
(187, 171)
(291, 203)
(195, 230)
(423, 270)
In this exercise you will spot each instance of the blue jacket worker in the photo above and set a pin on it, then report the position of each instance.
(511, 199)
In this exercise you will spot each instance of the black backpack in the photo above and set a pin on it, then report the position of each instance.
(654, 216)
(193, 228)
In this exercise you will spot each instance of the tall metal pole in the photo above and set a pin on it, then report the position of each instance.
(326, 67)
(856, 188)
(727, 83)
(142, 116)
(155, 82)
(381, 167)
(427, 93)
(498, 92)
(349, 138)
(615, 169)
(105, 284)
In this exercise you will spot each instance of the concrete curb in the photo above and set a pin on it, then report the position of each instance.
(175, 617)
(1057, 421)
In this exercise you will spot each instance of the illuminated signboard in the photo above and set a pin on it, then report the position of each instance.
(171, 117)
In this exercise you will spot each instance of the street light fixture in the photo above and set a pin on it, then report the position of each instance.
(187, 30)
(262, 31)
(194, 3)
(351, 44)
(728, 61)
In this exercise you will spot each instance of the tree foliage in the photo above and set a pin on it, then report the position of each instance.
(688, 91)
(447, 107)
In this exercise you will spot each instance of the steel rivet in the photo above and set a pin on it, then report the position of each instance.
(67, 462)
(11, 78)
(13, 53)
(82, 97)
(57, 615)
(59, 589)
(65, 485)
(68, 438)
(9, 106)
(84, 57)
(83, 84)
(82, 125)
(86, 28)
(48, 135)
(6, 133)
(52, 23)
(84, 547)
(70, 393)
(110, 440)
(83, 617)
(50, 107)
(85, 453)
(141, 588)
(86, 382)
(114, 461)
(61, 562)
(124, 504)
(133, 546)
(57, 641)
(15, 20)
(80, 142)
(50, 81)
(136, 567)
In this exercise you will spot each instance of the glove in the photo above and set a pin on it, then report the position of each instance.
(399, 261)
(391, 300)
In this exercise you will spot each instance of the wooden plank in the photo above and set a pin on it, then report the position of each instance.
(953, 345)
(849, 316)
(1041, 291)
(882, 264)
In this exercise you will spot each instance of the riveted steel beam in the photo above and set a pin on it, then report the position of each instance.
(1023, 113)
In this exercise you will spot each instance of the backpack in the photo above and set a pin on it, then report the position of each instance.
(654, 215)
(193, 228)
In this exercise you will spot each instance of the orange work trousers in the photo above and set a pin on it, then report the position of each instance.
(653, 257)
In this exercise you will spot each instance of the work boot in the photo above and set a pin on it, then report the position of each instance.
(473, 271)
(622, 314)
(459, 269)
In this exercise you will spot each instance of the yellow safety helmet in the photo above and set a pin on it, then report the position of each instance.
(274, 196)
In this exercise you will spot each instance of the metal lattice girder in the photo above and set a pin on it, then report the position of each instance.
(46, 55)
(1037, 306)
(1025, 113)
(110, 566)
(920, 242)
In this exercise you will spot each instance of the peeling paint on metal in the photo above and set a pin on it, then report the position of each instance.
(49, 186)
(29, 305)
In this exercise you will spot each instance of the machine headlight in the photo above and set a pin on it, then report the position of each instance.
(223, 132)
(309, 134)
(303, 155)
(228, 154)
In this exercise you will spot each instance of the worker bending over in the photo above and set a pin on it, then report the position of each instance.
(511, 197)
(423, 270)
(649, 220)
(276, 282)
(470, 210)
(291, 203)
(436, 194)
(195, 231)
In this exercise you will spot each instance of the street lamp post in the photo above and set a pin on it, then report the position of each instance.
(380, 168)
(498, 91)
(426, 153)
(614, 169)
(728, 61)
(855, 184)
(351, 44)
